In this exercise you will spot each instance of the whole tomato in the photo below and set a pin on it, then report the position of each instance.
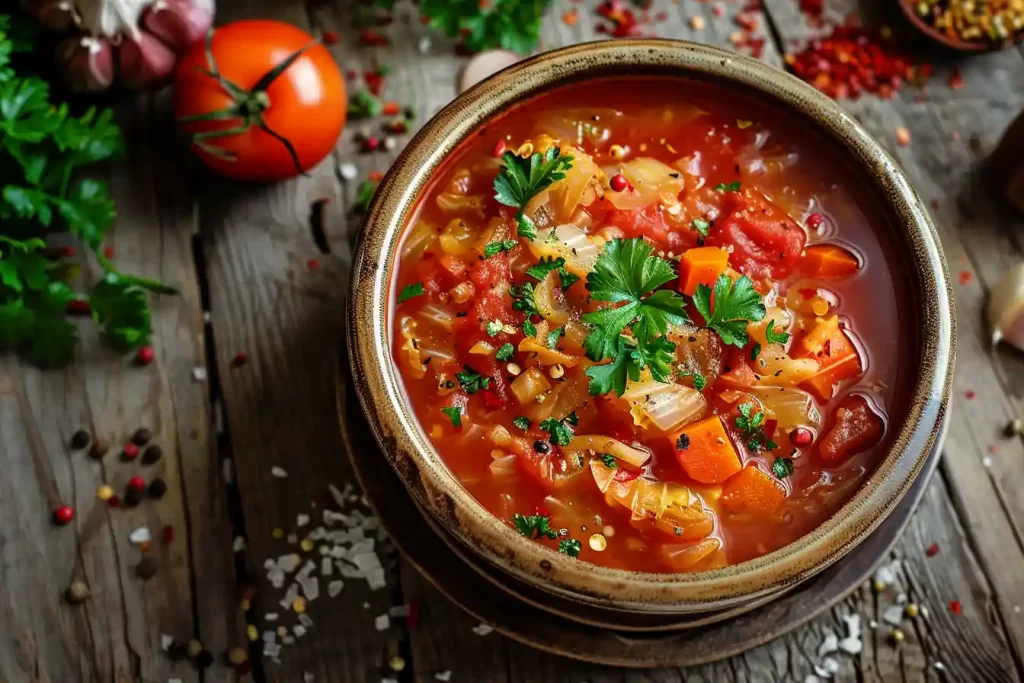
(260, 100)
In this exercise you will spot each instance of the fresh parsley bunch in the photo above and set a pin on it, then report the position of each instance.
(43, 149)
(510, 24)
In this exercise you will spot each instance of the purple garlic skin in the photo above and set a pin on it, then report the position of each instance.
(122, 43)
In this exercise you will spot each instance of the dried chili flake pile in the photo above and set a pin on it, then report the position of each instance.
(988, 21)
(852, 61)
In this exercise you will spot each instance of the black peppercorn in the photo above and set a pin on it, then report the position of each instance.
(132, 497)
(147, 567)
(99, 448)
(80, 439)
(176, 651)
(142, 436)
(205, 659)
(157, 488)
(683, 442)
(541, 446)
(152, 454)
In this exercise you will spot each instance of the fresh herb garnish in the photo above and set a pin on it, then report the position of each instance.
(522, 299)
(364, 105)
(773, 337)
(782, 467)
(534, 526)
(755, 351)
(553, 337)
(494, 328)
(509, 24)
(548, 264)
(505, 351)
(728, 187)
(699, 382)
(521, 422)
(529, 329)
(559, 430)
(701, 226)
(629, 273)
(364, 195)
(471, 381)
(495, 248)
(411, 291)
(454, 414)
(752, 426)
(609, 460)
(736, 304)
(521, 179)
(570, 547)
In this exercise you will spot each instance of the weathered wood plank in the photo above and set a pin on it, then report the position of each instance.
(116, 635)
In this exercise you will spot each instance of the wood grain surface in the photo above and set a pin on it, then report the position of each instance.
(243, 255)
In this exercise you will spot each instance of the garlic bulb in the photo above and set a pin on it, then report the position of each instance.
(1005, 308)
(131, 43)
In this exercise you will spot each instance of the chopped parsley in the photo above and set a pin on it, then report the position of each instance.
(471, 381)
(548, 264)
(736, 304)
(559, 430)
(521, 422)
(782, 467)
(553, 337)
(522, 299)
(755, 351)
(570, 547)
(454, 414)
(534, 526)
(411, 291)
(752, 426)
(521, 179)
(505, 351)
(609, 460)
(773, 337)
(495, 248)
(494, 328)
(699, 382)
(529, 329)
(701, 226)
(728, 187)
(629, 273)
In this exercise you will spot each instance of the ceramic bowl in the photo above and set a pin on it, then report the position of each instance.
(406, 447)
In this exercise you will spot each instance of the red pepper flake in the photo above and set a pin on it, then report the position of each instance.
(374, 81)
(167, 534)
(718, 10)
(108, 251)
(969, 394)
(956, 79)
(965, 277)
(932, 550)
(623, 22)
(240, 359)
(78, 307)
(542, 511)
(955, 607)
(375, 176)
(371, 144)
(851, 61)
(814, 222)
(351, 74)
(370, 38)
(313, 264)
(69, 251)
(145, 355)
(499, 148)
(114, 501)
(396, 127)
(813, 10)
(391, 109)
(571, 18)
(330, 38)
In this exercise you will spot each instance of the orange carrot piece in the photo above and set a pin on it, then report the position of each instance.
(701, 266)
(836, 355)
(754, 492)
(829, 260)
(705, 452)
(857, 428)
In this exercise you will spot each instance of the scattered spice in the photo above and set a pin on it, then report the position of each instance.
(236, 656)
(80, 439)
(902, 136)
(157, 488)
(77, 593)
(801, 437)
(142, 436)
(571, 18)
(132, 498)
(990, 21)
(137, 483)
(147, 568)
(145, 355)
(63, 515)
(193, 649)
(1014, 427)
(955, 607)
(167, 534)
(205, 659)
(114, 501)
(130, 451)
(152, 455)
(969, 394)
(330, 38)
(240, 359)
(618, 183)
(697, 23)
(78, 307)
(898, 636)
(397, 663)
(912, 610)
(104, 493)
(100, 447)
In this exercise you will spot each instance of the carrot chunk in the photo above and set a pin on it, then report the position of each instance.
(836, 355)
(701, 266)
(754, 492)
(857, 429)
(705, 452)
(829, 260)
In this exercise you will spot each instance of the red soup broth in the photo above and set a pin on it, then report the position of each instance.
(734, 452)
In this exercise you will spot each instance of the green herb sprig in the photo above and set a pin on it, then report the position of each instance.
(521, 179)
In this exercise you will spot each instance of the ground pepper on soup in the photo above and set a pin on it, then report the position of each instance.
(647, 323)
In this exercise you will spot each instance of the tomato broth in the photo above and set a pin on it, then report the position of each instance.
(745, 396)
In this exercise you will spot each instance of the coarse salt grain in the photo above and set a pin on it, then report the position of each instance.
(445, 675)
(299, 630)
(382, 622)
(334, 588)
(399, 611)
(483, 629)
(829, 645)
(140, 535)
(811, 678)
(227, 469)
(893, 615)
(239, 544)
(311, 588)
(165, 642)
(289, 597)
(986, 462)
(326, 567)
(199, 373)
(852, 645)
(289, 563)
(348, 171)
(270, 616)
(306, 621)
(301, 520)
(278, 472)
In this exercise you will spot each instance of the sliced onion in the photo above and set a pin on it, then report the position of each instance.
(790, 407)
(652, 181)
(776, 369)
(436, 315)
(504, 466)
(582, 184)
(662, 405)
(599, 443)
(410, 350)
(546, 356)
(457, 238)
(529, 385)
(456, 203)
(570, 243)
(420, 238)
(547, 297)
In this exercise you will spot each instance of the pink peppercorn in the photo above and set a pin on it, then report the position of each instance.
(499, 148)
(801, 436)
(618, 183)
(63, 515)
(130, 451)
(145, 355)
(137, 483)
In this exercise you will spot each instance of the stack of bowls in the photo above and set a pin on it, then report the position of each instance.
(554, 583)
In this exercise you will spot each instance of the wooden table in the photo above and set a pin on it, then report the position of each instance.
(242, 256)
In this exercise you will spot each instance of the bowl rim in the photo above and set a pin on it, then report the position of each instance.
(427, 478)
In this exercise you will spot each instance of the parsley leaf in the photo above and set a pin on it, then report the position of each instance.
(471, 381)
(728, 187)
(755, 351)
(534, 526)
(782, 467)
(553, 337)
(121, 307)
(364, 195)
(548, 264)
(529, 329)
(559, 430)
(612, 376)
(608, 459)
(521, 422)
(570, 547)
(701, 226)
(509, 24)
(699, 382)
(736, 304)
(495, 248)
(752, 424)
(364, 105)
(454, 414)
(494, 328)
(505, 351)
(522, 299)
(520, 179)
(773, 337)
(411, 291)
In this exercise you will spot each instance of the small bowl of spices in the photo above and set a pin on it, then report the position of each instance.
(968, 25)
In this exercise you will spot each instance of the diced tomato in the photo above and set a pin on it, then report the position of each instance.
(435, 277)
(489, 306)
(857, 428)
(646, 222)
(552, 471)
(453, 265)
(766, 241)
(836, 355)
(491, 273)
(616, 418)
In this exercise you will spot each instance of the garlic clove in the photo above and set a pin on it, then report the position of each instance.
(179, 23)
(88, 63)
(1005, 308)
(145, 62)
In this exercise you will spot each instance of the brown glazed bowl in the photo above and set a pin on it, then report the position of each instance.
(437, 491)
